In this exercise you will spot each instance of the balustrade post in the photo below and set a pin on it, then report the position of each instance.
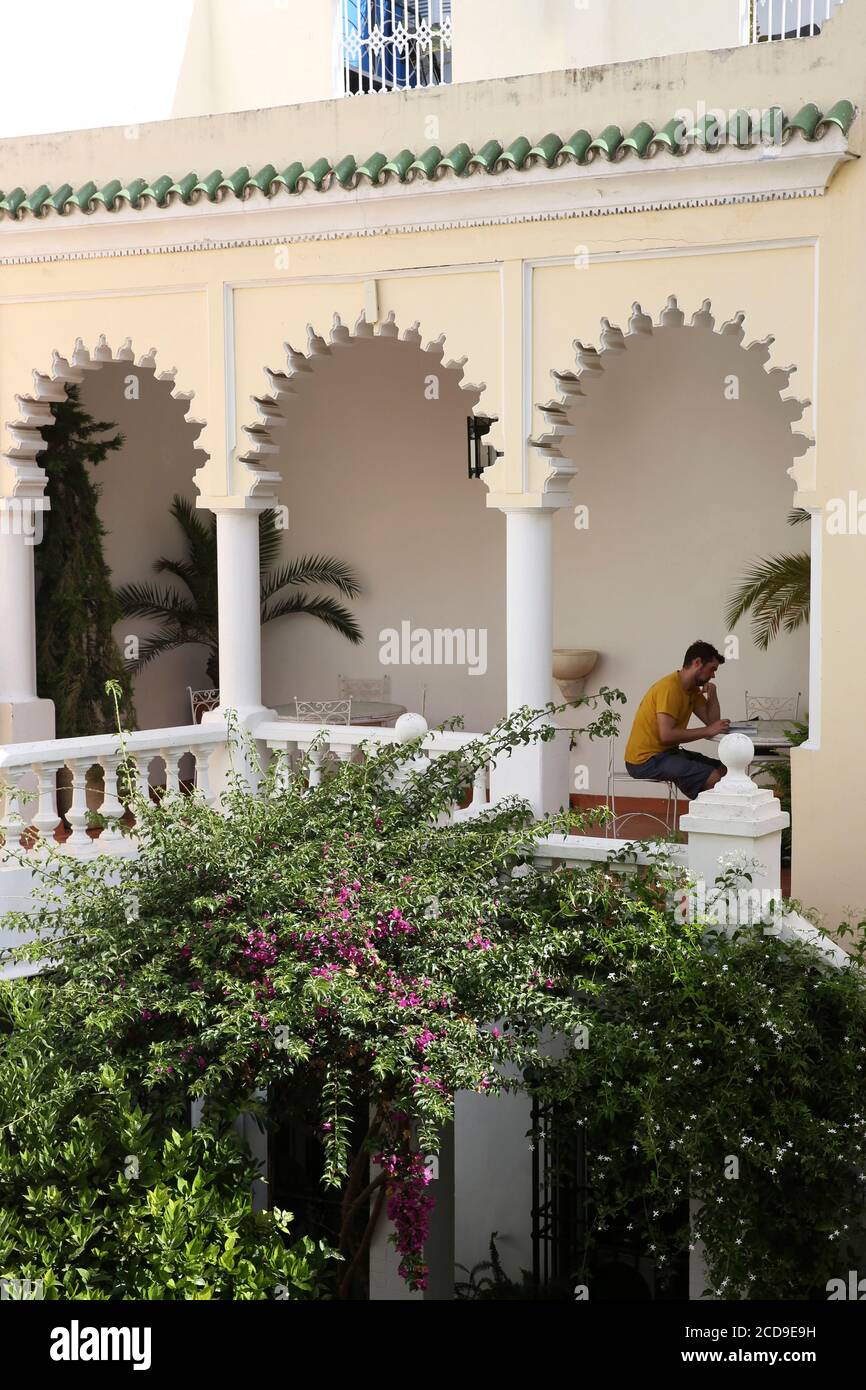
(79, 842)
(112, 807)
(47, 817)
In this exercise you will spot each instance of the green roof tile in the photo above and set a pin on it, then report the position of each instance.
(346, 172)
(608, 142)
(456, 161)
(372, 167)
(841, 115)
(639, 139)
(486, 158)
(576, 147)
(643, 142)
(546, 150)
(400, 165)
(426, 163)
(515, 156)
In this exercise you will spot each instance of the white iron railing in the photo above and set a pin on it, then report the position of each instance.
(392, 45)
(770, 20)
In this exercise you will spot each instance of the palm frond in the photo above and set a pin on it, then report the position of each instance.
(798, 515)
(777, 593)
(148, 601)
(181, 569)
(270, 539)
(328, 610)
(312, 569)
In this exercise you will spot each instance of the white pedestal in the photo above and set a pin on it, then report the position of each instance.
(736, 821)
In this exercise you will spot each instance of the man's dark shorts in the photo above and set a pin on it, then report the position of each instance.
(689, 771)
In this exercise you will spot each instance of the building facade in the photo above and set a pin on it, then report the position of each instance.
(618, 238)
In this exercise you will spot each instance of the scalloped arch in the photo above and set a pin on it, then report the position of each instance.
(36, 411)
(272, 407)
(561, 414)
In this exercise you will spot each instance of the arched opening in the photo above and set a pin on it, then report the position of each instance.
(157, 458)
(681, 442)
(369, 433)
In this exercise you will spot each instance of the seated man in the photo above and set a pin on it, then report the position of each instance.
(661, 724)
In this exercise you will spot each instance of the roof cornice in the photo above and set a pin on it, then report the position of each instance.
(800, 165)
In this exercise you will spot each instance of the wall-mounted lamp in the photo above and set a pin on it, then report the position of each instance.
(481, 455)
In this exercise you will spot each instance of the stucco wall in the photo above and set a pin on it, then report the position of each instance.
(498, 38)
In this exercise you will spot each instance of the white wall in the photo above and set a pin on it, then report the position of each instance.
(502, 38)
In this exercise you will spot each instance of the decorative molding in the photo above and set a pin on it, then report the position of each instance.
(572, 387)
(725, 178)
(273, 408)
(37, 410)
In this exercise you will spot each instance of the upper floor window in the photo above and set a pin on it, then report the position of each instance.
(787, 19)
(389, 45)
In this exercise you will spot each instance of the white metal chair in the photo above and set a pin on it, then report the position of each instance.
(668, 823)
(323, 711)
(349, 688)
(773, 706)
(776, 707)
(202, 702)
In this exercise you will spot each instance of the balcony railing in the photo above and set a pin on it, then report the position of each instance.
(392, 45)
(768, 20)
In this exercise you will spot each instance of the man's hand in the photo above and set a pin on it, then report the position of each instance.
(719, 726)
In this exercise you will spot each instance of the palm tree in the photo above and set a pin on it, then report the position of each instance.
(193, 618)
(776, 592)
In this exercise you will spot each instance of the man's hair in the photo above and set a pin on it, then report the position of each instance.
(703, 651)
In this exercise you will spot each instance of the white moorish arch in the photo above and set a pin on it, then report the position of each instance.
(23, 716)
(237, 517)
(558, 453)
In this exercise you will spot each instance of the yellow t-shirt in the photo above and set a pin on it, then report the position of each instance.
(665, 697)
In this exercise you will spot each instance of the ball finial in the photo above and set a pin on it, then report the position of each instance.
(736, 752)
(411, 726)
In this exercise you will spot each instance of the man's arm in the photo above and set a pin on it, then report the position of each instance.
(670, 735)
(707, 705)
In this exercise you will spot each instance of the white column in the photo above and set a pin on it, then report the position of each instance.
(538, 772)
(239, 610)
(736, 818)
(24, 718)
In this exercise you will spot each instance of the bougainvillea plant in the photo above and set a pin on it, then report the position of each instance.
(346, 942)
(342, 939)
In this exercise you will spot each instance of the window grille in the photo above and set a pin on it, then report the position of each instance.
(768, 20)
(392, 45)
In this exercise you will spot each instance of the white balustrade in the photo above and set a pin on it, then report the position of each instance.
(590, 851)
(29, 785)
(341, 743)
